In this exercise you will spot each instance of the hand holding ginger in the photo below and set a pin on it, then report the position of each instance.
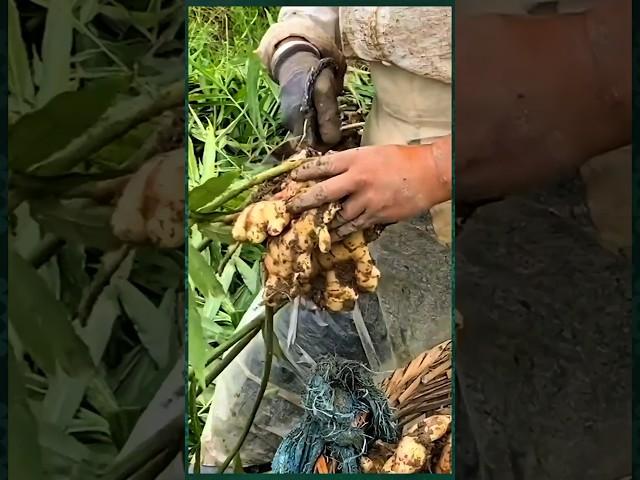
(377, 185)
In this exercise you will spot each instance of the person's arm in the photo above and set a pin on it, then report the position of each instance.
(318, 26)
(290, 50)
(537, 97)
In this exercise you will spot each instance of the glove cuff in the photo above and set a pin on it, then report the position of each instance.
(286, 50)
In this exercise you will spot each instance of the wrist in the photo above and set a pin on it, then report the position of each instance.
(287, 49)
(427, 169)
(437, 161)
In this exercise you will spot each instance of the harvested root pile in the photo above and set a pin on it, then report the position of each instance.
(425, 447)
(301, 259)
(419, 392)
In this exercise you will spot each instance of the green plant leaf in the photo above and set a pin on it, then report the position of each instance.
(253, 78)
(131, 150)
(56, 51)
(20, 80)
(250, 275)
(217, 232)
(26, 235)
(101, 397)
(229, 271)
(39, 134)
(73, 276)
(63, 398)
(97, 332)
(54, 439)
(24, 455)
(209, 164)
(81, 221)
(88, 422)
(121, 424)
(137, 378)
(203, 276)
(217, 330)
(158, 270)
(139, 19)
(197, 342)
(44, 326)
(152, 324)
(193, 172)
(242, 300)
(88, 10)
(206, 192)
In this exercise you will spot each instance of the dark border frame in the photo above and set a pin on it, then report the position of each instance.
(4, 226)
(635, 137)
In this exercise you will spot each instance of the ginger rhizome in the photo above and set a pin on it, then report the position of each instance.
(301, 259)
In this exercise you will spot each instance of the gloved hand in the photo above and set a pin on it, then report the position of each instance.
(292, 77)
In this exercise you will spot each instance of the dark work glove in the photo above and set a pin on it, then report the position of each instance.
(292, 77)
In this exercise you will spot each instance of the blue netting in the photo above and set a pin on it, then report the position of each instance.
(345, 412)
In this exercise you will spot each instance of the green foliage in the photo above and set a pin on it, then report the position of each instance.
(94, 325)
(233, 103)
(233, 126)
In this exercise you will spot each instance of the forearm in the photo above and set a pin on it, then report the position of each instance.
(548, 94)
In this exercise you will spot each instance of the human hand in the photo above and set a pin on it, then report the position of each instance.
(292, 77)
(378, 184)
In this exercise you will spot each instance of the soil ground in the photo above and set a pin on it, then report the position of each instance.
(543, 359)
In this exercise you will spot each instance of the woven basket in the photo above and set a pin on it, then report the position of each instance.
(416, 392)
(423, 387)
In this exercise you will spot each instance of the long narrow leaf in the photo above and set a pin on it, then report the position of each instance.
(152, 324)
(20, 80)
(44, 326)
(196, 341)
(58, 123)
(56, 50)
(25, 456)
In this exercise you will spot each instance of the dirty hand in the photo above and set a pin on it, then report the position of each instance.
(377, 185)
(292, 76)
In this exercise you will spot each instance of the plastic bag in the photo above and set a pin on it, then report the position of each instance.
(409, 313)
(304, 334)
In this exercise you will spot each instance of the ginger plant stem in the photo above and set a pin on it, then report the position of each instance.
(268, 347)
(233, 339)
(227, 359)
(227, 256)
(243, 185)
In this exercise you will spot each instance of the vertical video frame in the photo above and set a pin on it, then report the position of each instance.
(319, 240)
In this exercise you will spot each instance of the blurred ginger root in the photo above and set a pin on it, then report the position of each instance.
(150, 209)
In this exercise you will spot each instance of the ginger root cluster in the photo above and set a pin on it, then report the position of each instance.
(301, 259)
